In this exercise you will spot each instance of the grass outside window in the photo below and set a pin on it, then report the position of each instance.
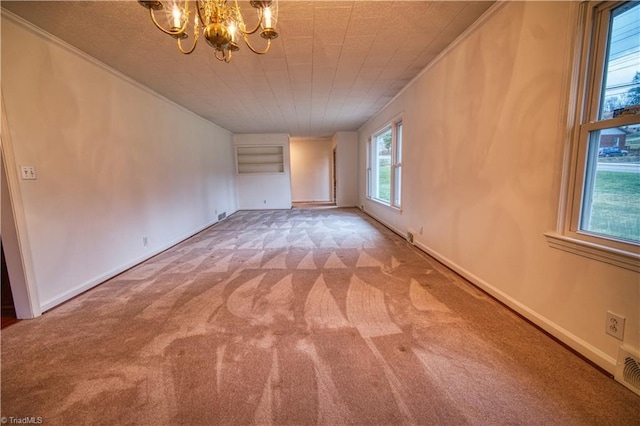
(616, 205)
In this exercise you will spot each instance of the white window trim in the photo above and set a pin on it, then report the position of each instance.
(395, 163)
(586, 80)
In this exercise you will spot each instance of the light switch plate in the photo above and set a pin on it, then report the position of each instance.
(28, 172)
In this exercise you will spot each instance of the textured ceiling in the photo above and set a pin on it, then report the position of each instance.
(335, 64)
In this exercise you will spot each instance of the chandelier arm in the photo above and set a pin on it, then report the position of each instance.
(193, 47)
(260, 15)
(171, 33)
(196, 34)
(197, 6)
(215, 53)
(246, 41)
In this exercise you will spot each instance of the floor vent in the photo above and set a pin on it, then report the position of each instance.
(222, 215)
(628, 370)
(410, 236)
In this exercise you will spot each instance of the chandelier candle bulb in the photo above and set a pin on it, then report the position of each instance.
(176, 17)
(232, 31)
(267, 17)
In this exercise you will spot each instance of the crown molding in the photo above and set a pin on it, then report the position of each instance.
(28, 26)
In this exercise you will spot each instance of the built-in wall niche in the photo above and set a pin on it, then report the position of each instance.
(260, 159)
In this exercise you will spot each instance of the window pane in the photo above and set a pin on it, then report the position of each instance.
(621, 85)
(611, 201)
(397, 186)
(399, 143)
(397, 183)
(369, 170)
(383, 166)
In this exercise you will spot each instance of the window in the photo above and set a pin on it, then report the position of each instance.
(602, 213)
(384, 165)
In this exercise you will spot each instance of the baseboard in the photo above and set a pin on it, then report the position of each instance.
(584, 349)
(88, 285)
(383, 223)
(589, 351)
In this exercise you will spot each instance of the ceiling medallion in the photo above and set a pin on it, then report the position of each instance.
(220, 22)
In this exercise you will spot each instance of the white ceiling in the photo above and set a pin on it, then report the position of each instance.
(335, 64)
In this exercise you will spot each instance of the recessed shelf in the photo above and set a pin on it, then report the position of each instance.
(260, 159)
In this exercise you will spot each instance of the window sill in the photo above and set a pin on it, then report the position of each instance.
(602, 253)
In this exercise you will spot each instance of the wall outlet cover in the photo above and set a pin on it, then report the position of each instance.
(615, 325)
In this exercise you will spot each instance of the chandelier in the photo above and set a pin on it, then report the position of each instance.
(220, 22)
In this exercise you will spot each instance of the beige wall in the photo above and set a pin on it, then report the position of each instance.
(311, 169)
(115, 163)
(484, 133)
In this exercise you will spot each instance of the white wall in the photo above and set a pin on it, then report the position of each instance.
(346, 144)
(257, 191)
(484, 132)
(311, 169)
(115, 163)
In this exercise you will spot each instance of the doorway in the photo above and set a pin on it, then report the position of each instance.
(312, 170)
(8, 307)
(335, 178)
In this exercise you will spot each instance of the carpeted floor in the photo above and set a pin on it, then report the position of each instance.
(297, 317)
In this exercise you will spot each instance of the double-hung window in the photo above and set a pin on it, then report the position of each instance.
(384, 165)
(601, 218)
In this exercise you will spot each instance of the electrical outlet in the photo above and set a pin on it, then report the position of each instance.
(145, 241)
(615, 325)
(421, 230)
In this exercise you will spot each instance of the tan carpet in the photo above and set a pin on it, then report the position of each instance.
(297, 317)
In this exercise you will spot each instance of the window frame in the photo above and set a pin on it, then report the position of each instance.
(588, 73)
(395, 174)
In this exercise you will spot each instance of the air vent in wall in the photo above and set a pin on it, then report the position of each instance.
(628, 370)
(410, 236)
(222, 215)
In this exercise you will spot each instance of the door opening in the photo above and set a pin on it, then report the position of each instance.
(335, 179)
(8, 308)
